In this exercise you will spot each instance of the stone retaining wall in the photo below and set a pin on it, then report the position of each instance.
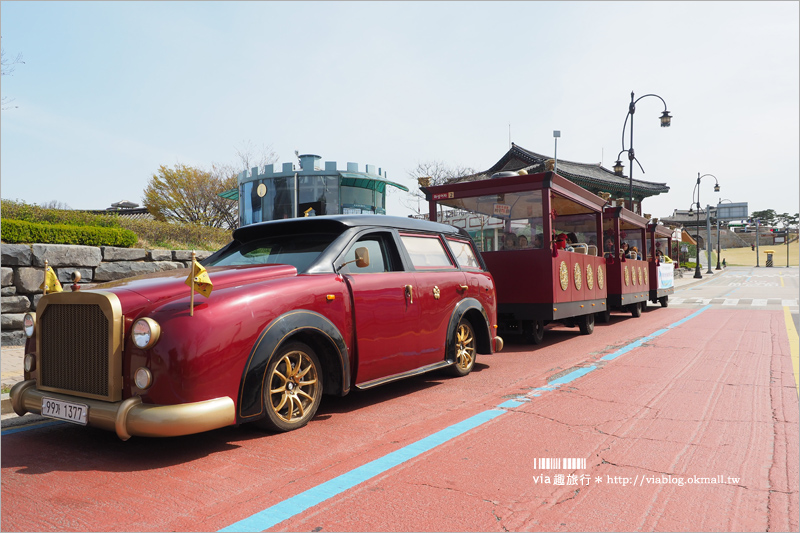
(730, 239)
(23, 272)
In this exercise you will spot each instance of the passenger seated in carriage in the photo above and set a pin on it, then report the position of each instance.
(510, 242)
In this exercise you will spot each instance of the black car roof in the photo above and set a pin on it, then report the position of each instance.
(338, 224)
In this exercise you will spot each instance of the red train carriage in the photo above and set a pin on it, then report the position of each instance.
(660, 265)
(539, 236)
(624, 248)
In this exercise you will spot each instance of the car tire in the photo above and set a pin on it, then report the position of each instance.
(533, 331)
(463, 349)
(604, 317)
(664, 301)
(586, 323)
(636, 309)
(292, 388)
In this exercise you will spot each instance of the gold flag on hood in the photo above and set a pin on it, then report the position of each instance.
(50, 283)
(198, 279)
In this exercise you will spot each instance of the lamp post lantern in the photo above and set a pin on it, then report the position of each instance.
(665, 119)
(696, 191)
(556, 135)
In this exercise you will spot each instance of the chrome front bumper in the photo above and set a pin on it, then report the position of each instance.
(131, 417)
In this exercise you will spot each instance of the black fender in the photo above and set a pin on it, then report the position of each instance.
(300, 321)
(473, 308)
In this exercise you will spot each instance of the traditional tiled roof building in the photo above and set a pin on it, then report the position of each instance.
(681, 217)
(592, 177)
(126, 209)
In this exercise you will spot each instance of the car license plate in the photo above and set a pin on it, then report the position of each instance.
(77, 413)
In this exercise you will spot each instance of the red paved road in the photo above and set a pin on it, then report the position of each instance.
(714, 396)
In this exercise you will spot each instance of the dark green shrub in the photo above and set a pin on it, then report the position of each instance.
(23, 232)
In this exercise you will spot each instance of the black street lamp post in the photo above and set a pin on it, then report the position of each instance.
(618, 166)
(718, 247)
(697, 273)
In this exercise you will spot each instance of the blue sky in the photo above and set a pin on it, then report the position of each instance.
(109, 91)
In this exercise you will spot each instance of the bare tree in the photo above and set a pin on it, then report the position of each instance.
(433, 173)
(56, 204)
(7, 67)
(787, 220)
(248, 155)
(226, 209)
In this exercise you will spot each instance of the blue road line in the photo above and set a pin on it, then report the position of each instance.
(305, 500)
(572, 376)
(20, 429)
(730, 292)
(295, 505)
(510, 404)
(541, 390)
(635, 344)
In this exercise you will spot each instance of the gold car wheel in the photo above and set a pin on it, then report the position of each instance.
(464, 349)
(294, 388)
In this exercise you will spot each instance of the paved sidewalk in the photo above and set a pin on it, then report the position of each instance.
(12, 372)
(12, 356)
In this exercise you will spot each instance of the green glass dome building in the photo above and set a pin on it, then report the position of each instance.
(310, 190)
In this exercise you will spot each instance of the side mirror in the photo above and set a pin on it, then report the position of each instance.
(361, 260)
(362, 257)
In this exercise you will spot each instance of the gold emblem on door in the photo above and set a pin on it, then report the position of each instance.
(436, 292)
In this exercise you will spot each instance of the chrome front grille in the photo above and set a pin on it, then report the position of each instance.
(75, 349)
(80, 344)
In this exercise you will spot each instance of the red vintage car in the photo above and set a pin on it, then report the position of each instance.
(299, 308)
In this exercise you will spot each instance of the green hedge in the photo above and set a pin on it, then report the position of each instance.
(19, 231)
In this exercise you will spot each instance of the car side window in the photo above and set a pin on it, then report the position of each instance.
(464, 254)
(381, 256)
(426, 252)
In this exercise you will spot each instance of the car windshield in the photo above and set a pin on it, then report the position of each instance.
(296, 250)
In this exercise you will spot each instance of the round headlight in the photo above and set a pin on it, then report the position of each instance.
(29, 324)
(143, 378)
(30, 363)
(145, 333)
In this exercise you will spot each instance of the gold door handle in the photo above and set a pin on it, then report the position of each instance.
(463, 287)
(410, 293)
